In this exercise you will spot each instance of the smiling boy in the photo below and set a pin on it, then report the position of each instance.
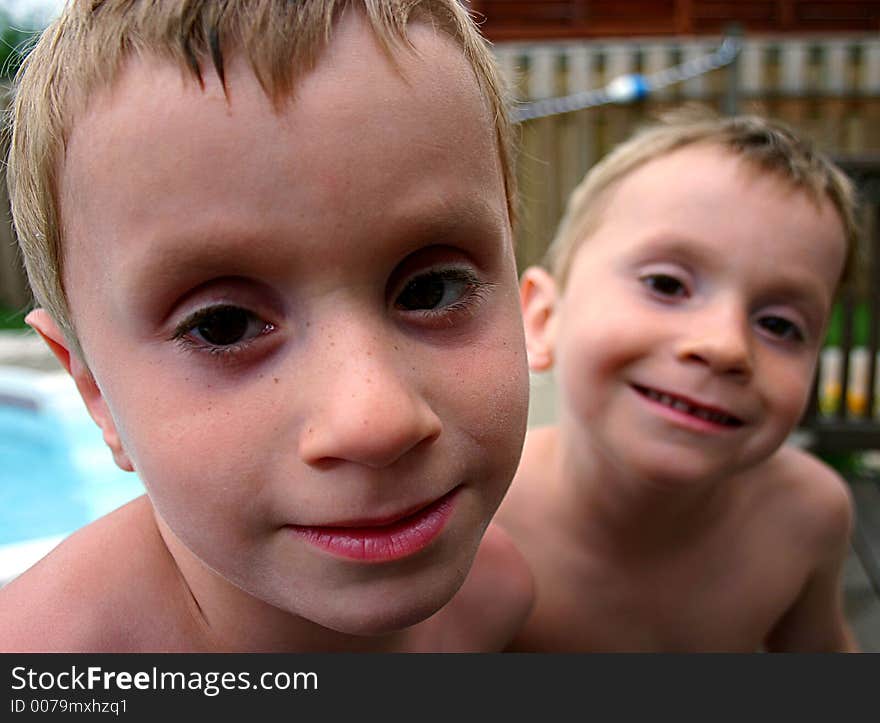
(692, 279)
(271, 243)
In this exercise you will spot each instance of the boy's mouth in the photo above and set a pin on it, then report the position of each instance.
(382, 540)
(713, 415)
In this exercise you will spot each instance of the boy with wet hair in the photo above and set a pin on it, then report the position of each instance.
(271, 242)
(691, 282)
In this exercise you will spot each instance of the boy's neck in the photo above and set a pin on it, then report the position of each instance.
(606, 503)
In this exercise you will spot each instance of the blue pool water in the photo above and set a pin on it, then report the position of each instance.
(56, 474)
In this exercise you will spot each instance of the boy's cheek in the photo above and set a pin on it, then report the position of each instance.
(791, 395)
(488, 391)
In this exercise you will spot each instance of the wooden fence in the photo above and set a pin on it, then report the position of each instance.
(828, 87)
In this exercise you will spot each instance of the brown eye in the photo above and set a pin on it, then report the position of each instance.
(221, 328)
(665, 285)
(435, 290)
(423, 292)
(781, 328)
(225, 326)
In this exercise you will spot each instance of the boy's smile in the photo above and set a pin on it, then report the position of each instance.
(688, 331)
(698, 415)
(304, 319)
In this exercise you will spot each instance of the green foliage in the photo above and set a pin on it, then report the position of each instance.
(860, 326)
(12, 318)
(15, 41)
(847, 464)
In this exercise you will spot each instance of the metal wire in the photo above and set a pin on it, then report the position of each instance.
(634, 86)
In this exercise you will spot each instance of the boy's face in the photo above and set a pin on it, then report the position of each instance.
(686, 338)
(304, 325)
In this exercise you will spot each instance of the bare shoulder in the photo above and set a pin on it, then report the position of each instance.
(492, 604)
(539, 448)
(89, 592)
(813, 491)
(814, 513)
(501, 573)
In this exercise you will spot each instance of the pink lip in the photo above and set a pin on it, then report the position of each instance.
(696, 416)
(382, 541)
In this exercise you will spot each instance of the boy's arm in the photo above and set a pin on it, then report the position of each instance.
(816, 622)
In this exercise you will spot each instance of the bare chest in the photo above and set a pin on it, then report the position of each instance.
(721, 598)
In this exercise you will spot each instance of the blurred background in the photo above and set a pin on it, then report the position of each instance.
(587, 73)
(584, 74)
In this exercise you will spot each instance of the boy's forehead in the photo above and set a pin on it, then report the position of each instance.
(356, 125)
(702, 172)
(138, 91)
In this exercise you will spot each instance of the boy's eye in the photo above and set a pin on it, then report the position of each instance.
(664, 285)
(436, 290)
(221, 327)
(781, 328)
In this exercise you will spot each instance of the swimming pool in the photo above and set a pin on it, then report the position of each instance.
(56, 474)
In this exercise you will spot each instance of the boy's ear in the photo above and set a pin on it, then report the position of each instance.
(46, 327)
(538, 297)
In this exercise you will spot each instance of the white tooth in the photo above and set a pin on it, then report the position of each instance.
(666, 399)
(680, 405)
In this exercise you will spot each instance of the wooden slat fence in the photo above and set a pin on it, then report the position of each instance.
(828, 87)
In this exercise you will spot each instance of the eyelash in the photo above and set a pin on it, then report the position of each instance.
(647, 280)
(473, 293)
(793, 334)
(193, 321)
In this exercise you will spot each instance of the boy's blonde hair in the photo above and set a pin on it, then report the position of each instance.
(83, 50)
(766, 145)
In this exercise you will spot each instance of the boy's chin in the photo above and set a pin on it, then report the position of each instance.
(374, 601)
(375, 613)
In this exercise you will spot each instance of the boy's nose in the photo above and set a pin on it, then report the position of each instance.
(722, 342)
(367, 413)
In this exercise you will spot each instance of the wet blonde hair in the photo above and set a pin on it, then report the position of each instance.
(83, 50)
(766, 145)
